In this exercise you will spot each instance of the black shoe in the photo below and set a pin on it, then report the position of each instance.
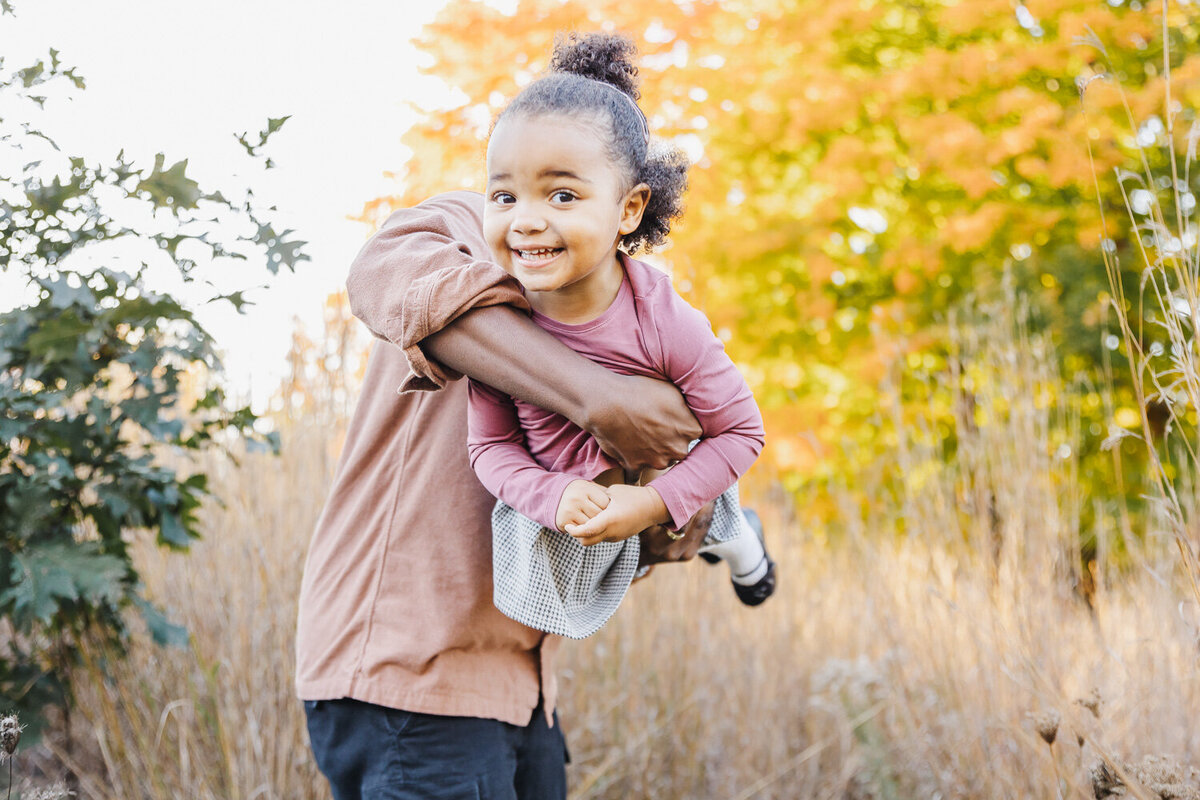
(755, 593)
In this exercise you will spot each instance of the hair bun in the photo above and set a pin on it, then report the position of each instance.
(604, 57)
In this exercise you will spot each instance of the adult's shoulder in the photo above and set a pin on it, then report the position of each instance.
(464, 205)
(454, 208)
(460, 199)
(448, 217)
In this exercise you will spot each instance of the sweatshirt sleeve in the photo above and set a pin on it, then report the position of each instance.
(695, 361)
(425, 267)
(496, 445)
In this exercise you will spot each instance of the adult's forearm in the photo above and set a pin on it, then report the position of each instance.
(639, 421)
(503, 348)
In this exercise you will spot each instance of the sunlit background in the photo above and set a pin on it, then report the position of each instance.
(183, 78)
(952, 245)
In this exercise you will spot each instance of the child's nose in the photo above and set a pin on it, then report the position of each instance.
(528, 219)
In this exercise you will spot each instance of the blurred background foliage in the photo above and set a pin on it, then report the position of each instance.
(864, 169)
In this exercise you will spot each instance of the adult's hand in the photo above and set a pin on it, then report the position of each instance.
(642, 422)
(659, 547)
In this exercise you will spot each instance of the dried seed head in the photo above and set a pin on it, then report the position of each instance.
(10, 734)
(1165, 777)
(1046, 723)
(1105, 782)
(1091, 702)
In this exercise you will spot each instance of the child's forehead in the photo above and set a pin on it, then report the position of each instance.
(525, 142)
(548, 129)
(562, 122)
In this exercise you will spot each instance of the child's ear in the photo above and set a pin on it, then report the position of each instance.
(633, 206)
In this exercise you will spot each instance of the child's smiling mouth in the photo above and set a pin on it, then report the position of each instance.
(538, 256)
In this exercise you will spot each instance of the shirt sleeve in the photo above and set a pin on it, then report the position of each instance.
(424, 268)
(496, 445)
(695, 361)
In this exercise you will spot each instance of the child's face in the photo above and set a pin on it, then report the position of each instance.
(555, 206)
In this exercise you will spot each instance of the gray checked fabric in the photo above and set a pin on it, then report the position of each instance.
(547, 580)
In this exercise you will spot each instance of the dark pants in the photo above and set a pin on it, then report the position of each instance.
(369, 752)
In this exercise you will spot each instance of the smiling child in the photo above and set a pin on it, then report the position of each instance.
(574, 185)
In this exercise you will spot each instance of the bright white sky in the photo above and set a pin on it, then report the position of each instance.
(181, 77)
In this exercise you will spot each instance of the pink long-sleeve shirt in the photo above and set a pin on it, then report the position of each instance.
(526, 455)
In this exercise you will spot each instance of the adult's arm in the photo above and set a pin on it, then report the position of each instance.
(425, 283)
(641, 422)
(425, 267)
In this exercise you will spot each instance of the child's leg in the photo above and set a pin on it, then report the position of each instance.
(735, 536)
(734, 539)
(745, 554)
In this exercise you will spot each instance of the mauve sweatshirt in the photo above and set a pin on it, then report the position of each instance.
(526, 455)
(395, 604)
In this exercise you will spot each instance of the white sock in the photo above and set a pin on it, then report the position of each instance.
(745, 555)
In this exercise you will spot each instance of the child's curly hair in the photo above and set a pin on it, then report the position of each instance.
(595, 73)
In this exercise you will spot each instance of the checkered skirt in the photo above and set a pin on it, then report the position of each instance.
(547, 580)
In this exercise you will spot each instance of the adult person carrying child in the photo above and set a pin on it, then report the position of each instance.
(414, 684)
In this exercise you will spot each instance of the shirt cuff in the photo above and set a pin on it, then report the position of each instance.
(676, 501)
(554, 493)
(433, 302)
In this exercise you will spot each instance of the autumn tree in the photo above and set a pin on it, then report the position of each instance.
(861, 168)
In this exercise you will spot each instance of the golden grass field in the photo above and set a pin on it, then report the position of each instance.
(911, 642)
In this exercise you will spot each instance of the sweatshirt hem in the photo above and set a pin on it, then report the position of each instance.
(446, 704)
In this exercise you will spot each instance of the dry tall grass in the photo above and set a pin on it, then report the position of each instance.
(902, 657)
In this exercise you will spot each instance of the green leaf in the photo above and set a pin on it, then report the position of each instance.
(170, 188)
(172, 531)
(57, 339)
(280, 251)
(31, 75)
(274, 124)
(163, 631)
(46, 576)
(236, 299)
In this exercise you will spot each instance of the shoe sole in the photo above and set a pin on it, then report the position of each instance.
(757, 593)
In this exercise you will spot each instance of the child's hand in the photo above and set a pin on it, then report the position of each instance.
(581, 501)
(630, 510)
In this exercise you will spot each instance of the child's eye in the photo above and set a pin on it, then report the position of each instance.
(503, 198)
(562, 196)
